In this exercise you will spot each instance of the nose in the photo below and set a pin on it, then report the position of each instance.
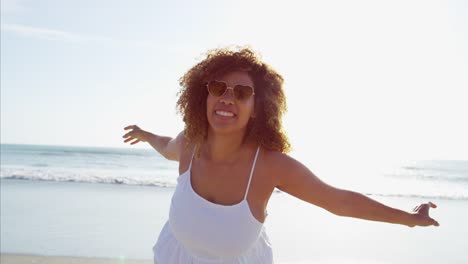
(228, 96)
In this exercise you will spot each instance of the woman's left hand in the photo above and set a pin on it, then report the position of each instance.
(421, 215)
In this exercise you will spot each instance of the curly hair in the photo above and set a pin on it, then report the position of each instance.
(270, 101)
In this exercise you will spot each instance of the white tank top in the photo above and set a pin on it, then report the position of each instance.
(199, 231)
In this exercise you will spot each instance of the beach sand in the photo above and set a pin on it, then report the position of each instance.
(35, 259)
(110, 223)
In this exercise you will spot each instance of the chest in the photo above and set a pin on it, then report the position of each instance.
(229, 185)
(225, 185)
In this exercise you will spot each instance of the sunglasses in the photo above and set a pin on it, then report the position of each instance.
(219, 88)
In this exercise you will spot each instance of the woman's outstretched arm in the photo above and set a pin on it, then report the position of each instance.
(296, 179)
(168, 147)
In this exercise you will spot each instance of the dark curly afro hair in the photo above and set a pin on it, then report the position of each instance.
(270, 102)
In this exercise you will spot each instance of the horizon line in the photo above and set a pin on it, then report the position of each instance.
(75, 146)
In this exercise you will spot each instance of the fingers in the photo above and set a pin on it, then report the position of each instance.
(132, 138)
(128, 134)
(425, 206)
(134, 127)
(433, 205)
(134, 142)
(131, 127)
(129, 139)
(422, 212)
(131, 135)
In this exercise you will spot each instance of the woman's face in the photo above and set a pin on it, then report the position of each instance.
(225, 113)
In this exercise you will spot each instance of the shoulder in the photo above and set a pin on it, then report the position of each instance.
(280, 165)
(182, 140)
(185, 149)
(279, 160)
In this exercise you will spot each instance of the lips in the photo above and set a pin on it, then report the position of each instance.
(224, 113)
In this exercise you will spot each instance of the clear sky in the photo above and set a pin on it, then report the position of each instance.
(364, 79)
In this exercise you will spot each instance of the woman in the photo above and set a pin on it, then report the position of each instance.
(232, 155)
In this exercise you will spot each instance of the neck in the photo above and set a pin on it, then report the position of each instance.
(223, 148)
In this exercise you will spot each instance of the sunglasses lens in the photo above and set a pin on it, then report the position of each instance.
(216, 88)
(242, 92)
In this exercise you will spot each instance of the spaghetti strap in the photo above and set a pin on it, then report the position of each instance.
(251, 173)
(204, 232)
(193, 155)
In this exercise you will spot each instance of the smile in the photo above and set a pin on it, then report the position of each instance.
(224, 113)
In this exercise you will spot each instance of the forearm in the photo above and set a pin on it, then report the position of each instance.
(360, 206)
(159, 143)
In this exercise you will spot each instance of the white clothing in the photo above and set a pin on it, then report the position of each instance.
(200, 232)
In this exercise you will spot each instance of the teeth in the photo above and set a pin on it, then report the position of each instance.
(224, 113)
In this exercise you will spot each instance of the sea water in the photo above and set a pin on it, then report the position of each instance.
(446, 179)
(87, 164)
(112, 202)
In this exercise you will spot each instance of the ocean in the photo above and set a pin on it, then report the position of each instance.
(112, 202)
(87, 164)
(445, 179)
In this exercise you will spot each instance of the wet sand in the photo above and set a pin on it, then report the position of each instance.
(23, 259)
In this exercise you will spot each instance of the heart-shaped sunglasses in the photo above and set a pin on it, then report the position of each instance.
(219, 88)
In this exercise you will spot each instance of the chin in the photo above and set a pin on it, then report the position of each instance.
(226, 126)
(226, 129)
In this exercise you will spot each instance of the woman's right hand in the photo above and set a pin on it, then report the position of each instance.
(136, 134)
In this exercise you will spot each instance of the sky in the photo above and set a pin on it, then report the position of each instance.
(366, 80)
